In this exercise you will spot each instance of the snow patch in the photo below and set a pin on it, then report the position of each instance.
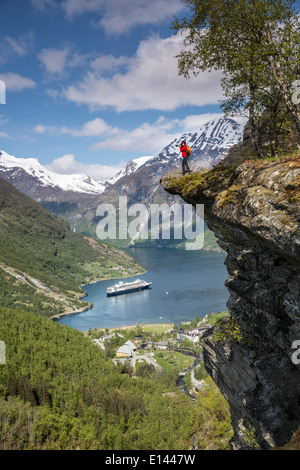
(47, 178)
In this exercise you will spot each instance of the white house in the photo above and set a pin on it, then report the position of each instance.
(193, 335)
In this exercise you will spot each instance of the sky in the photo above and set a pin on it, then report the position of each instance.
(91, 84)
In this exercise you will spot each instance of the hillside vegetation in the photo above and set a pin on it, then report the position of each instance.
(39, 255)
(59, 391)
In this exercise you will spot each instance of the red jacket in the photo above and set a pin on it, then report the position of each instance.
(183, 149)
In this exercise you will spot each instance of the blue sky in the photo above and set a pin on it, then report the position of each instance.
(91, 84)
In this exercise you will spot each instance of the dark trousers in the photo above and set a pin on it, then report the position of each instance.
(185, 166)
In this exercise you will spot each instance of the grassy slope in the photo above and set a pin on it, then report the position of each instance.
(39, 255)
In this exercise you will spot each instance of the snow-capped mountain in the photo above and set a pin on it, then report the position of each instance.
(76, 197)
(131, 167)
(28, 172)
(210, 144)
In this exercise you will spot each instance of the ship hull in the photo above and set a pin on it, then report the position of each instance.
(127, 291)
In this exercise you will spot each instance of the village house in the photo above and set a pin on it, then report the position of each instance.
(161, 345)
(156, 345)
(109, 336)
(126, 350)
(192, 335)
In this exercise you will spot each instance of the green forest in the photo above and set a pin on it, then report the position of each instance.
(59, 391)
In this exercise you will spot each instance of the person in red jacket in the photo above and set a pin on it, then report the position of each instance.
(185, 156)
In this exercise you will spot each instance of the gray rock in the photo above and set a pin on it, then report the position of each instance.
(254, 211)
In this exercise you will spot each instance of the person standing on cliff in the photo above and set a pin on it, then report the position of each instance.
(184, 152)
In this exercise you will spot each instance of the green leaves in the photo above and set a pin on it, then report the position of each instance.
(231, 330)
(256, 44)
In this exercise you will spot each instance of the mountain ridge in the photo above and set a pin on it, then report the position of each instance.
(214, 138)
(139, 180)
(75, 182)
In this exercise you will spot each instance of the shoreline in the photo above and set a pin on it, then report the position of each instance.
(142, 325)
(90, 306)
(112, 278)
(73, 312)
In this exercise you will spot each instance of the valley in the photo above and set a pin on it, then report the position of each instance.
(75, 198)
(44, 264)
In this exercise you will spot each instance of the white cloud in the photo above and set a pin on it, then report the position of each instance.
(149, 138)
(95, 127)
(67, 165)
(20, 46)
(54, 60)
(90, 128)
(189, 123)
(41, 129)
(42, 5)
(4, 135)
(15, 82)
(108, 63)
(119, 16)
(151, 81)
(145, 138)
(53, 93)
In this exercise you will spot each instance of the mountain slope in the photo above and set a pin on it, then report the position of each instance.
(139, 180)
(35, 180)
(59, 391)
(39, 255)
(210, 143)
(131, 167)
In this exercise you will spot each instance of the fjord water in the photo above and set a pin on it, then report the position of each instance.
(184, 284)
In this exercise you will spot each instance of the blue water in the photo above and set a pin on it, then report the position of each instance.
(184, 284)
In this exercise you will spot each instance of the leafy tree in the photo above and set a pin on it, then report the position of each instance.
(213, 426)
(256, 45)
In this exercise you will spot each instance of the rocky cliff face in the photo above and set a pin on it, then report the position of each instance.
(254, 211)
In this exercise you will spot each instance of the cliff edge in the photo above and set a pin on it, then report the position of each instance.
(253, 208)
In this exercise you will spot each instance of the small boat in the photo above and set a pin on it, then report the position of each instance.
(127, 287)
